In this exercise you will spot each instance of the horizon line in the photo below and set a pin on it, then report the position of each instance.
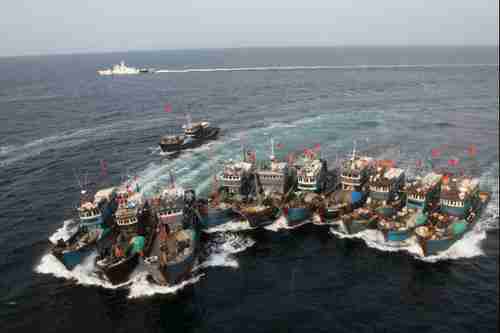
(69, 53)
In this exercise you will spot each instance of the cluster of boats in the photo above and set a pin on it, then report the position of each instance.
(360, 193)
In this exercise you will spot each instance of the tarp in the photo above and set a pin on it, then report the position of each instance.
(421, 219)
(458, 228)
(137, 244)
(356, 196)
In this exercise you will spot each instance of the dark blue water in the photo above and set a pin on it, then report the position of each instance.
(58, 119)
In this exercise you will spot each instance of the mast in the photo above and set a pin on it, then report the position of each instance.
(172, 179)
(272, 149)
(257, 194)
(188, 121)
(354, 151)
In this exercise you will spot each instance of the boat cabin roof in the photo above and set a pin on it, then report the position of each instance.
(202, 124)
(384, 177)
(236, 167)
(429, 181)
(104, 194)
(357, 164)
(458, 187)
(311, 168)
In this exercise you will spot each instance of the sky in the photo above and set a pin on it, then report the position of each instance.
(71, 26)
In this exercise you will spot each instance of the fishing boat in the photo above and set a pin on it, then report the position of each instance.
(385, 188)
(398, 228)
(176, 244)
(94, 228)
(312, 173)
(217, 209)
(275, 176)
(235, 177)
(195, 134)
(460, 206)
(136, 224)
(313, 178)
(254, 206)
(354, 176)
(300, 208)
(422, 195)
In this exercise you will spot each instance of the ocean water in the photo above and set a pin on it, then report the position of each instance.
(58, 119)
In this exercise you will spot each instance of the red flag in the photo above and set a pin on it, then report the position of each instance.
(419, 163)
(279, 145)
(453, 162)
(168, 108)
(317, 147)
(104, 168)
(472, 150)
(435, 152)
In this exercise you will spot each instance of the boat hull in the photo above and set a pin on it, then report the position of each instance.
(297, 216)
(355, 226)
(120, 272)
(70, 258)
(260, 219)
(432, 247)
(173, 273)
(216, 217)
(398, 235)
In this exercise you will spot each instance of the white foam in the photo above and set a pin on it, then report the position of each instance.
(142, 287)
(230, 226)
(296, 68)
(467, 247)
(65, 232)
(83, 273)
(281, 224)
(223, 248)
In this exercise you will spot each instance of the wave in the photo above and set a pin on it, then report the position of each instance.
(220, 253)
(320, 67)
(65, 232)
(230, 226)
(467, 247)
(13, 154)
(143, 287)
(223, 247)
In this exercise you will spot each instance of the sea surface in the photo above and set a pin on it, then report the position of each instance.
(58, 120)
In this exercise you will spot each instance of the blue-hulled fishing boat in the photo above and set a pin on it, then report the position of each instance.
(136, 224)
(176, 244)
(386, 185)
(94, 229)
(255, 206)
(354, 174)
(422, 196)
(460, 207)
(302, 208)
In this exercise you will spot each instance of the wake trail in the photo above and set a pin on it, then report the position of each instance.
(319, 67)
